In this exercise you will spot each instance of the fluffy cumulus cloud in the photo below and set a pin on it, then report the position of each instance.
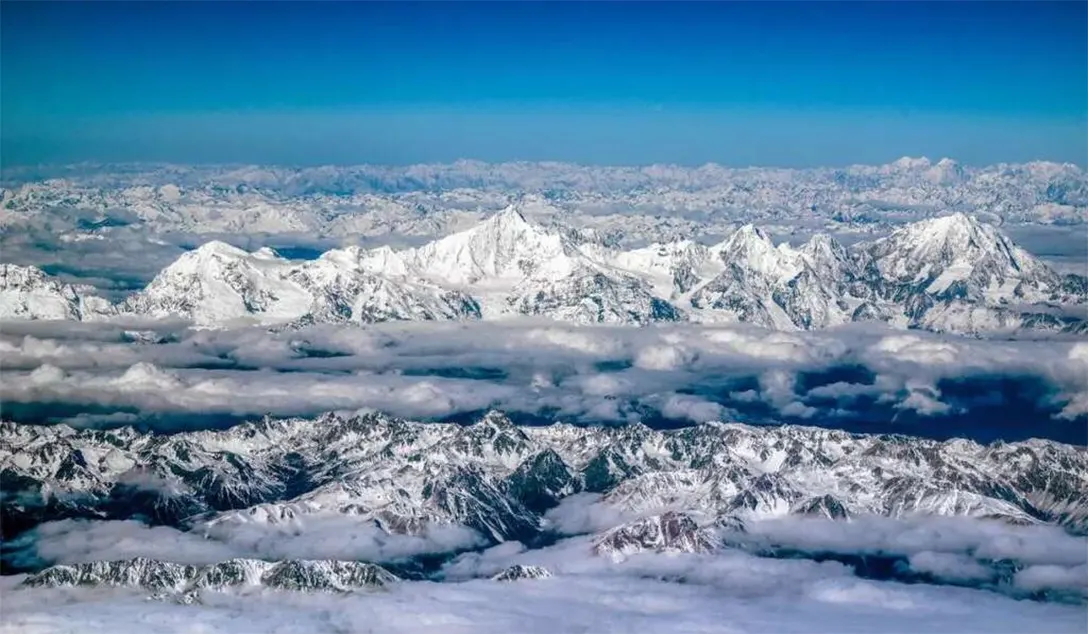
(79, 541)
(735, 588)
(922, 537)
(730, 591)
(336, 536)
(862, 377)
(568, 603)
(584, 513)
(316, 536)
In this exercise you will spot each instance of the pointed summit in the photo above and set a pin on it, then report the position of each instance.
(498, 419)
(751, 248)
(959, 251)
(958, 230)
(510, 215)
(505, 247)
(827, 256)
(218, 248)
(750, 232)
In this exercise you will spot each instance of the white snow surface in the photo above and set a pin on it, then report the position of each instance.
(508, 266)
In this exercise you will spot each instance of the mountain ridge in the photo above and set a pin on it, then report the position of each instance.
(499, 479)
(951, 274)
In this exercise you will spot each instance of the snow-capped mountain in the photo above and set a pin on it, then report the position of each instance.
(498, 253)
(518, 572)
(499, 479)
(668, 532)
(217, 284)
(779, 287)
(27, 292)
(957, 256)
(952, 274)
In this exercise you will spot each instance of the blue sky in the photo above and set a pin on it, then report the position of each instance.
(768, 83)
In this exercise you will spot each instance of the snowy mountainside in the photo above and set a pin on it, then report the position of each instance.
(500, 479)
(953, 273)
(218, 283)
(27, 292)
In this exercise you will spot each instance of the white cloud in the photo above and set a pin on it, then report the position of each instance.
(1045, 577)
(583, 373)
(584, 513)
(336, 536)
(79, 541)
(739, 597)
(923, 536)
(313, 536)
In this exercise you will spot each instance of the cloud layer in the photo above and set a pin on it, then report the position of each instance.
(862, 378)
(731, 595)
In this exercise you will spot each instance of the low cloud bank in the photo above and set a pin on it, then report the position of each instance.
(313, 536)
(599, 603)
(862, 378)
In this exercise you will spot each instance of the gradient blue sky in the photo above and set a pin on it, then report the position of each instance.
(769, 83)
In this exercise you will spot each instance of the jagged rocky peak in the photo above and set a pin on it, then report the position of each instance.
(13, 276)
(669, 532)
(326, 576)
(499, 480)
(496, 432)
(148, 574)
(747, 239)
(821, 246)
(750, 248)
(828, 258)
(519, 572)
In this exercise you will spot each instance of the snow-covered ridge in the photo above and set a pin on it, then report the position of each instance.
(26, 292)
(500, 480)
(953, 273)
(184, 582)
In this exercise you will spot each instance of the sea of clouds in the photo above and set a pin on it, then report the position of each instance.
(789, 574)
(869, 378)
(733, 590)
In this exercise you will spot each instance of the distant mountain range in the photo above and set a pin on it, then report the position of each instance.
(622, 205)
(948, 274)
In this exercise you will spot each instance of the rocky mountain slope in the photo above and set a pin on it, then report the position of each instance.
(500, 480)
(952, 273)
(184, 582)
